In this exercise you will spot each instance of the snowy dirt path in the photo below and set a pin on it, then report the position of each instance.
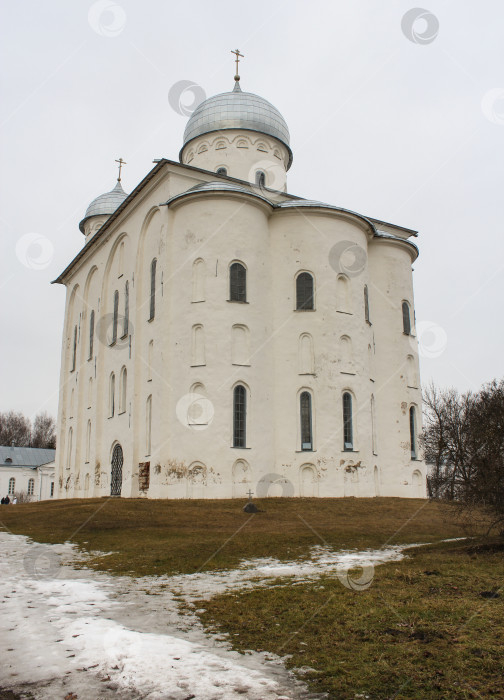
(66, 630)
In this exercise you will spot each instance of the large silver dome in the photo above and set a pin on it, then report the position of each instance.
(105, 204)
(237, 110)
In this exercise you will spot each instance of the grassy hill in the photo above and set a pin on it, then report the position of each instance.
(422, 629)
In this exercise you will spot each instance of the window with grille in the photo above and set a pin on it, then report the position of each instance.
(406, 318)
(366, 303)
(12, 486)
(412, 424)
(126, 311)
(237, 282)
(152, 311)
(115, 317)
(305, 405)
(91, 334)
(304, 291)
(74, 350)
(239, 416)
(31, 486)
(347, 422)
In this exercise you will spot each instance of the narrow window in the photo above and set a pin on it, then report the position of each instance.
(406, 321)
(74, 351)
(31, 486)
(366, 304)
(221, 171)
(52, 489)
(150, 355)
(306, 421)
(412, 428)
(112, 395)
(12, 486)
(88, 440)
(347, 422)
(69, 450)
(152, 289)
(90, 391)
(304, 291)
(239, 416)
(148, 426)
(123, 389)
(237, 282)
(198, 280)
(260, 178)
(115, 317)
(91, 334)
(126, 311)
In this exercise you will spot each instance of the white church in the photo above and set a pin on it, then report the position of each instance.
(223, 336)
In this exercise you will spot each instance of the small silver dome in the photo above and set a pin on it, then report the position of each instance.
(105, 204)
(237, 110)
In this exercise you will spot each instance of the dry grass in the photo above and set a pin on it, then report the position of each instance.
(165, 537)
(421, 630)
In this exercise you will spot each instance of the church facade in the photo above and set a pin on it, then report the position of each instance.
(222, 335)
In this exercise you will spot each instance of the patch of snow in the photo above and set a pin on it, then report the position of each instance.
(68, 630)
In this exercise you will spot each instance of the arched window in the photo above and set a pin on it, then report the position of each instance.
(221, 171)
(112, 395)
(12, 486)
(260, 178)
(126, 311)
(123, 390)
(121, 259)
(115, 317)
(373, 425)
(152, 311)
(412, 428)
(148, 425)
(304, 291)
(366, 304)
(150, 356)
(69, 449)
(347, 422)
(91, 334)
(240, 345)
(406, 321)
(305, 410)
(88, 440)
(343, 303)
(198, 346)
(237, 282)
(31, 487)
(74, 350)
(239, 416)
(305, 354)
(198, 280)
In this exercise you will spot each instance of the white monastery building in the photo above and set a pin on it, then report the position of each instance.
(223, 335)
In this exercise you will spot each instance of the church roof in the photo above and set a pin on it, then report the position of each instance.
(217, 186)
(238, 110)
(25, 456)
(105, 204)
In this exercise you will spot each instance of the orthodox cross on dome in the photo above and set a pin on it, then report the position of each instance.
(237, 59)
(121, 163)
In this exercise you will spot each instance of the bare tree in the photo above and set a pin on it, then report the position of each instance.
(43, 432)
(15, 428)
(463, 441)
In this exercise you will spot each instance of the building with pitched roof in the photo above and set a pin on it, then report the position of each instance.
(223, 336)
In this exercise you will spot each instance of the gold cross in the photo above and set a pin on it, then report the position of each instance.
(238, 55)
(121, 163)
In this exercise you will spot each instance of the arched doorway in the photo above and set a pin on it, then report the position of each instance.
(308, 482)
(116, 471)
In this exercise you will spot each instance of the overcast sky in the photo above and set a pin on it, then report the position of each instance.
(395, 114)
